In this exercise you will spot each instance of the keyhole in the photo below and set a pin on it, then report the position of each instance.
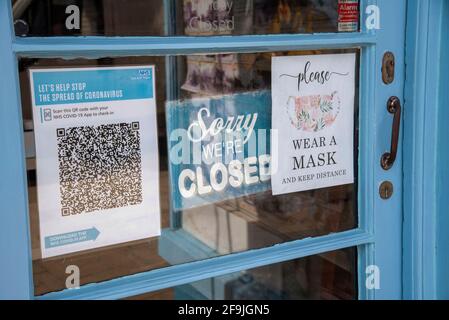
(386, 190)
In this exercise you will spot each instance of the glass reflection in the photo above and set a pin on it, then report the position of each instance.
(226, 226)
(329, 276)
(183, 17)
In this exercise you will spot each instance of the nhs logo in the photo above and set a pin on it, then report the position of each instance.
(144, 72)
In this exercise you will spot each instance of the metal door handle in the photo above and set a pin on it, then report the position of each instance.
(393, 107)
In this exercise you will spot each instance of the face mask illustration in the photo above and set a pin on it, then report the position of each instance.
(313, 113)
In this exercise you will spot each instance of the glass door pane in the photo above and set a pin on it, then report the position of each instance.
(183, 17)
(329, 276)
(226, 223)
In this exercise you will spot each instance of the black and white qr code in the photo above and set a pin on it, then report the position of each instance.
(99, 167)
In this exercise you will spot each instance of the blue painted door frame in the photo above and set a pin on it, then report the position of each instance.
(15, 247)
(380, 234)
(426, 152)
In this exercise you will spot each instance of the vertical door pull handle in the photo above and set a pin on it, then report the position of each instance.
(393, 107)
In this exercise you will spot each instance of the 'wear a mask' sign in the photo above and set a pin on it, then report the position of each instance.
(313, 115)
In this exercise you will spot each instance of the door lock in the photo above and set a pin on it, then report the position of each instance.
(386, 190)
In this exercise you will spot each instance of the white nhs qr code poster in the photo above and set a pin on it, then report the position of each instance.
(96, 156)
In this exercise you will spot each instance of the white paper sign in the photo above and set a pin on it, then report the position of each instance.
(96, 156)
(313, 122)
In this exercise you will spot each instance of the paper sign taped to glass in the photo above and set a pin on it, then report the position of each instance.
(313, 115)
(219, 148)
(96, 156)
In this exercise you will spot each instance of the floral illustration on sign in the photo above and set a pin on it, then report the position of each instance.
(313, 113)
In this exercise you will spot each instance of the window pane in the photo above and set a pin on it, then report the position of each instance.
(329, 276)
(183, 17)
(222, 225)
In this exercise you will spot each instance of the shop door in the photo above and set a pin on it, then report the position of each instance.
(320, 83)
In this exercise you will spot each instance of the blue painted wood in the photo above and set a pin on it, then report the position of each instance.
(426, 172)
(382, 218)
(95, 47)
(368, 70)
(414, 114)
(380, 233)
(366, 186)
(195, 271)
(15, 254)
(442, 167)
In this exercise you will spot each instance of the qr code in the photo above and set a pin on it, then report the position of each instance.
(99, 167)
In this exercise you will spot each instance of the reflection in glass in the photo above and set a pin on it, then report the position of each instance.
(228, 225)
(329, 276)
(183, 17)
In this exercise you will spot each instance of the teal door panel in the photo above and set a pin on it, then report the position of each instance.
(387, 218)
(380, 233)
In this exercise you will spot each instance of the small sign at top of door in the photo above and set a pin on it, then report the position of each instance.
(313, 122)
